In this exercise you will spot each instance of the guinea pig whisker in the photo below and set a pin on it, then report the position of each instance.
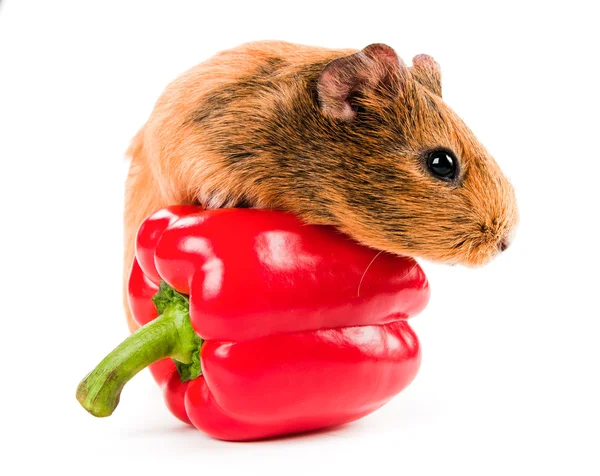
(363, 276)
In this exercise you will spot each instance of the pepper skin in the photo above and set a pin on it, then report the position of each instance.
(302, 327)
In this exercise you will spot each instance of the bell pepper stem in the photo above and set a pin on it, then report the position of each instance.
(169, 335)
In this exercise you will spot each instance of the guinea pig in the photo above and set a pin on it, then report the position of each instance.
(353, 139)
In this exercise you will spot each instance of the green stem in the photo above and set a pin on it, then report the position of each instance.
(169, 335)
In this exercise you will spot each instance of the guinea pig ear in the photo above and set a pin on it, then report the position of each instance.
(375, 68)
(426, 71)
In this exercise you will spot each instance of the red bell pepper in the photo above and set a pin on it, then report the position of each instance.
(287, 327)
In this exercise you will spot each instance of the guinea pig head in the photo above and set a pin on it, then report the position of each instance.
(422, 184)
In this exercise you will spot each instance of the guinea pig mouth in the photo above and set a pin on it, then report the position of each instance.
(503, 244)
(477, 251)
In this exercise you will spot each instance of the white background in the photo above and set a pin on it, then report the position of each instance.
(509, 380)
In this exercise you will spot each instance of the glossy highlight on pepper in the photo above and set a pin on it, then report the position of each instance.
(300, 327)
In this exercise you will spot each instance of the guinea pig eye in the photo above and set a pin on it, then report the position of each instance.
(442, 164)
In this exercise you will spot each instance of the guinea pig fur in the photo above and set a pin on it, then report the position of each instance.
(337, 137)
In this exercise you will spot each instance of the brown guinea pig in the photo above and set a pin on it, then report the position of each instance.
(354, 139)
